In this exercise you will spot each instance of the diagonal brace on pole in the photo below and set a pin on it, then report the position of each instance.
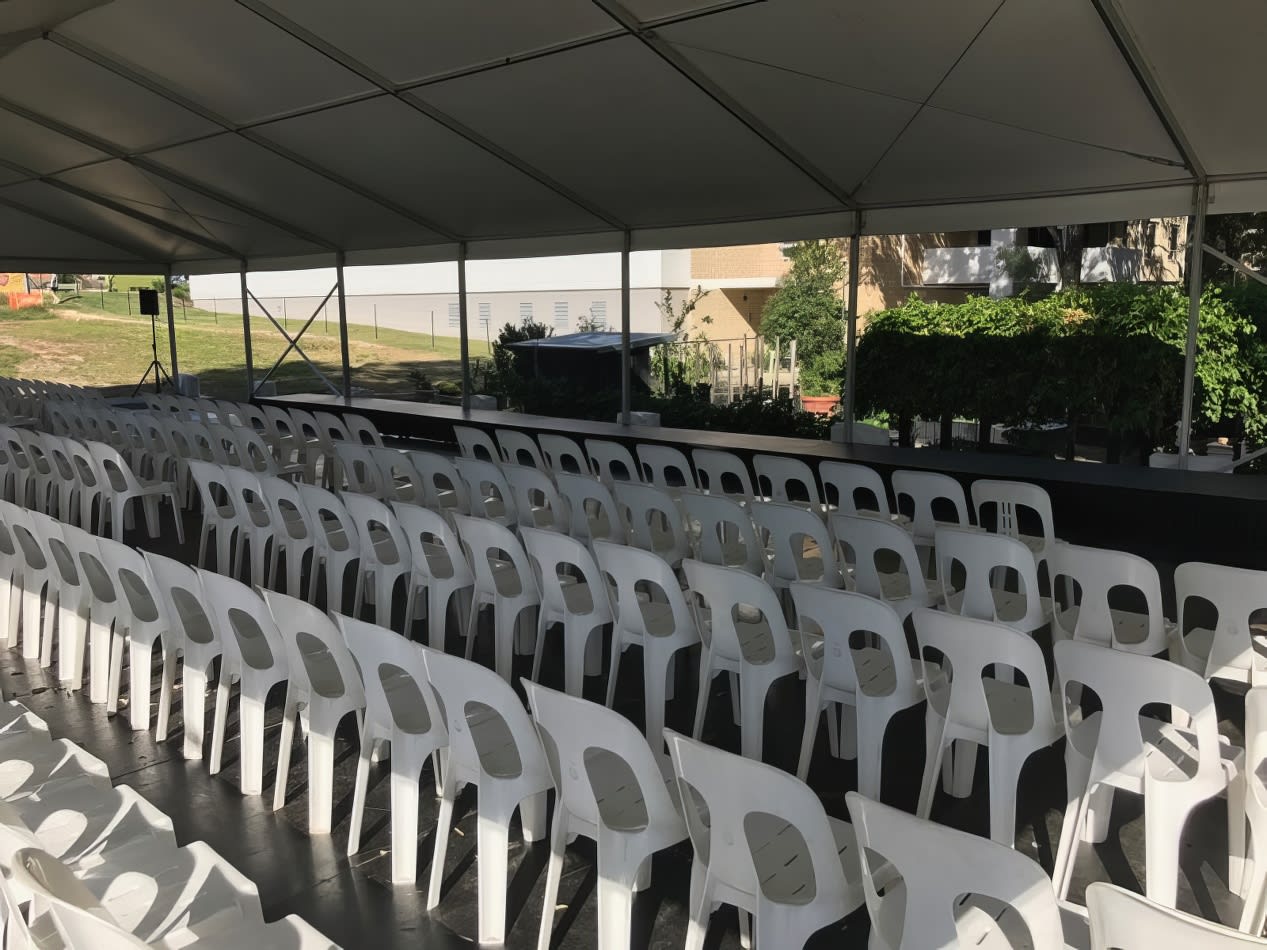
(293, 342)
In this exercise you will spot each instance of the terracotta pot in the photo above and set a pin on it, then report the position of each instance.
(820, 405)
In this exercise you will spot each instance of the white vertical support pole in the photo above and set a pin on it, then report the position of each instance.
(246, 338)
(171, 324)
(344, 354)
(851, 331)
(463, 337)
(626, 349)
(1196, 238)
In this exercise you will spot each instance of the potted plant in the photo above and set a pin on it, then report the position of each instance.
(820, 382)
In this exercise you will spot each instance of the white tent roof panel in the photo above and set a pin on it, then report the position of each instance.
(285, 131)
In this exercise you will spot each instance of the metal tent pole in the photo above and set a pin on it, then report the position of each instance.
(851, 333)
(343, 331)
(626, 350)
(1196, 240)
(463, 338)
(171, 324)
(246, 338)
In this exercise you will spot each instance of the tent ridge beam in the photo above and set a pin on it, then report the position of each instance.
(1118, 30)
(696, 77)
(134, 75)
(366, 73)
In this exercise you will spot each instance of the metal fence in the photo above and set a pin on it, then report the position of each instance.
(730, 368)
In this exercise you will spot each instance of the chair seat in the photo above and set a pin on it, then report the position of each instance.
(755, 638)
(1010, 704)
(1009, 606)
(782, 864)
(1171, 752)
(620, 801)
(1199, 641)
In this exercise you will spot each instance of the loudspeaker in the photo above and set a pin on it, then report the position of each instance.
(149, 301)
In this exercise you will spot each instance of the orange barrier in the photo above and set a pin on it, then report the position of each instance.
(19, 300)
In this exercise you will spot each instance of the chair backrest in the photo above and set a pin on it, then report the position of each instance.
(225, 446)
(939, 866)
(1098, 574)
(214, 488)
(489, 493)
(867, 538)
(799, 540)
(1236, 594)
(394, 675)
(485, 541)
(87, 471)
(243, 621)
(642, 586)
(475, 444)
(840, 614)
(722, 473)
(536, 499)
(981, 555)
(929, 493)
(853, 488)
(588, 749)
(1124, 684)
(434, 548)
(356, 468)
(725, 592)
(398, 477)
(654, 520)
(333, 431)
(518, 448)
(133, 579)
(563, 454)
(316, 652)
(970, 646)
(382, 540)
(611, 461)
(181, 591)
(725, 795)
(788, 480)
(592, 511)
(442, 484)
(1010, 500)
(360, 429)
(248, 497)
(290, 514)
(285, 427)
(77, 915)
(117, 473)
(724, 524)
(551, 553)
(665, 467)
(1122, 920)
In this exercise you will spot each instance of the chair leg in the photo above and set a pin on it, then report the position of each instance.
(701, 700)
(615, 908)
(813, 713)
(167, 686)
(752, 715)
(492, 841)
(289, 712)
(193, 700)
(934, 752)
(444, 827)
(140, 673)
(321, 779)
(871, 729)
(251, 739)
(554, 872)
(360, 786)
(117, 643)
(699, 908)
(404, 795)
(618, 650)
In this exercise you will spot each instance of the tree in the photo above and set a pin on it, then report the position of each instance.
(680, 365)
(1070, 241)
(1242, 237)
(807, 308)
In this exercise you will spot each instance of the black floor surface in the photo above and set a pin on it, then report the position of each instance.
(352, 900)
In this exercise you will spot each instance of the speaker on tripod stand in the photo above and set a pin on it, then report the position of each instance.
(148, 298)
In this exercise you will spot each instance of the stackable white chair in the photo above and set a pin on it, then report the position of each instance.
(744, 633)
(360, 429)
(103, 612)
(610, 788)
(191, 635)
(290, 439)
(869, 540)
(1122, 920)
(579, 605)
(984, 558)
(69, 597)
(800, 546)
(1254, 885)
(592, 511)
(611, 461)
(666, 468)
(488, 491)
(858, 490)
(724, 534)
(38, 579)
(219, 512)
(333, 430)
(323, 686)
(651, 613)
(294, 537)
(764, 844)
(1010, 500)
(1226, 652)
(790, 481)
(123, 487)
(929, 494)
(256, 530)
(536, 499)
(936, 868)
(21, 470)
(1117, 747)
(503, 580)
(399, 477)
(722, 473)
(968, 708)
(518, 448)
(92, 487)
(438, 570)
(1091, 576)
(400, 713)
(138, 625)
(336, 543)
(317, 447)
(856, 656)
(494, 746)
(654, 521)
(255, 657)
(563, 454)
(355, 468)
(384, 559)
(442, 486)
(476, 444)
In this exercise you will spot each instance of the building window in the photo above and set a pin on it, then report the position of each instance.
(1039, 237)
(983, 238)
(486, 311)
(560, 314)
(525, 311)
(598, 314)
(1174, 240)
(455, 316)
(1150, 236)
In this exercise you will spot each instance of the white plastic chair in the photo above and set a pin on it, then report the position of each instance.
(790, 481)
(612, 789)
(138, 624)
(476, 444)
(124, 487)
(399, 477)
(654, 521)
(800, 547)
(764, 844)
(536, 499)
(384, 560)
(984, 558)
(724, 533)
(438, 570)
(1228, 651)
(255, 657)
(489, 493)
(611, 462)
(949, 887)
(1089, 615)
(518, 448)
(872, 676)
(651, 612)
(579, 604)
(355, 468)
(293, 536)
(219, 513)
(360, 429)
(968, 707)
(665, 467)
(872, 542)
(38, 577)
(317, 446)
(858, 490)
(336, 543)
(1122, 920)
(256, 529)
(92, 487)
(494, 746)
(745, 634)
(929, 494)
(504, 581)
(69, 598)
(103, 611)
(563, 454)
(1174, 768)
(592, 510)
(1254, 886)
(323, 686)
(442, 486)
(722, 473)
(1010, 500)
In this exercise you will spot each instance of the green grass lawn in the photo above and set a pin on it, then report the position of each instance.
(78, 341)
